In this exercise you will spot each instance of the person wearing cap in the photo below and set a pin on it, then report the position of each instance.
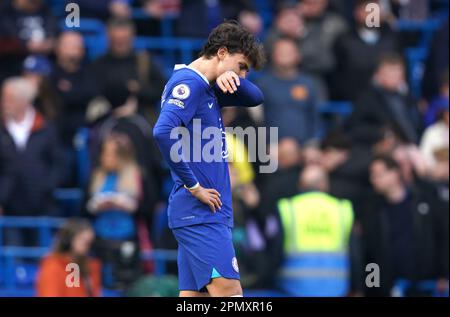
(36, 69)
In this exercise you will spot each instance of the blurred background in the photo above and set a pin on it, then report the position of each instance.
(363, 119)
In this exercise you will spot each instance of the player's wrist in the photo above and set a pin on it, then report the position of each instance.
(192, 187)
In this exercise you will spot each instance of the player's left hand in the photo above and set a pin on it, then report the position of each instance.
(208, 196)
(228, 82)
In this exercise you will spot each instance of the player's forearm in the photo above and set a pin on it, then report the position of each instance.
(161, 132)
(247, 95)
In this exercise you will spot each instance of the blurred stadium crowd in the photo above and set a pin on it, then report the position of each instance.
(363, 152)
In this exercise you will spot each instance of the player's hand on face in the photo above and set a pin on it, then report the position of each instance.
(208, 196)
(228, 82)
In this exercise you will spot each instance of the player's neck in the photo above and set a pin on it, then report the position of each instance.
(207, 67)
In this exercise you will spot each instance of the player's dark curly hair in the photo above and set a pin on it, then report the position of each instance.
(236, 39)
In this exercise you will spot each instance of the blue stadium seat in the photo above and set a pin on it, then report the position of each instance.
(25, 274)
(69, 201)
(14, 273)
(416, 56)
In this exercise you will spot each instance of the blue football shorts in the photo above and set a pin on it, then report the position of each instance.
(205, 251)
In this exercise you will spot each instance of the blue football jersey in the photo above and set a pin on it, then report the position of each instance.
(189, 99)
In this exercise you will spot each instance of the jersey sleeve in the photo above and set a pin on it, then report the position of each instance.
(247, 95)
(179, 105)
(182, 99)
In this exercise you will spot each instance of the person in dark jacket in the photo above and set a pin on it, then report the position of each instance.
(347, 167)
(123, 66)
(386, 102)
(357, 53)
(26, 27)
(403, 230)
(73, 84)
(29, 151)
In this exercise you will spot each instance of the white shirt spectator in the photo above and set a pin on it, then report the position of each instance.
(20, 131)
(434, 138)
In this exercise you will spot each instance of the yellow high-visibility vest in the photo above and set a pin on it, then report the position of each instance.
(239, 158)
(315, 222)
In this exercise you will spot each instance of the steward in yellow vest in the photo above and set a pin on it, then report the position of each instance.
(316, 228)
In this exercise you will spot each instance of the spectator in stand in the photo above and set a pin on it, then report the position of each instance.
(257, 231)
(198, 17)
(73, 83)
(287, 23)
(26, 27)
(290, 24)
(30, 150)
(114, 195)
(71, 250)
(246, 233)
(156, 11)
(122, 118)
(292, 98)
(434, 141)
(321, 30)
(115, 189)
(36, 69)
(357, 53)
(316, 229)
(404, 230)
(411, 161)
(440, 181)
(121, 65)
(282, 183)
(386, 102)
(347, 167)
